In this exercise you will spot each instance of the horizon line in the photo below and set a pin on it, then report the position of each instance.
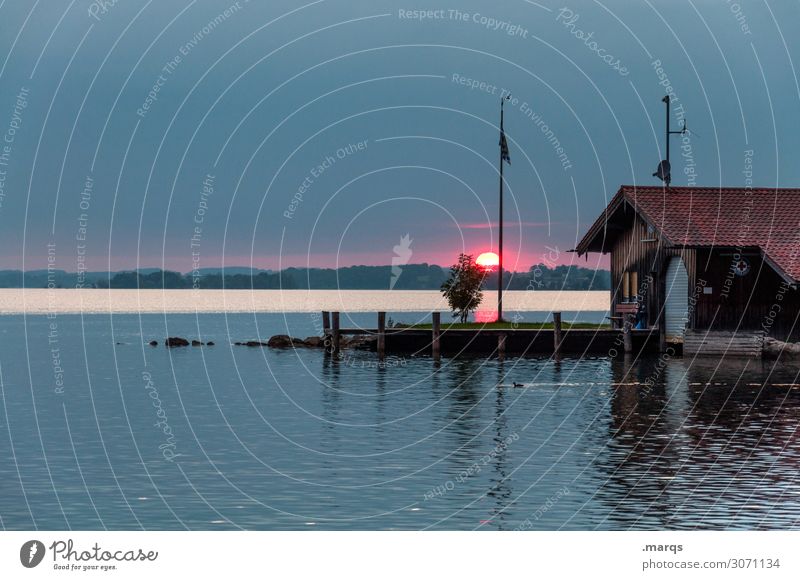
(258, 269)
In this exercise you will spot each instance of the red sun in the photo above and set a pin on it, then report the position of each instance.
(488, 260)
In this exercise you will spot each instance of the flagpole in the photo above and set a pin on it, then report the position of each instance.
(500, 226)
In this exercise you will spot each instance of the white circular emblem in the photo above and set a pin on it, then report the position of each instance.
(741, 267)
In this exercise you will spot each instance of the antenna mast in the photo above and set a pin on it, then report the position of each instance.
(664, 169)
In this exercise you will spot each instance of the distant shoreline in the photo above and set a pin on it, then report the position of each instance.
(57, 301)
(405, 277)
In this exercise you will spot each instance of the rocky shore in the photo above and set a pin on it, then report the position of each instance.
(278, 341)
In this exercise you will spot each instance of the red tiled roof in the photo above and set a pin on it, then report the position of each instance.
(768, 219)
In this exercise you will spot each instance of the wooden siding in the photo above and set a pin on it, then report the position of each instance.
(746, 343)
(759, 300)
(631, 252)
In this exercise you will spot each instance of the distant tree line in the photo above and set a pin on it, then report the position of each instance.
(541, 277)
(175, 280)
(408, 277)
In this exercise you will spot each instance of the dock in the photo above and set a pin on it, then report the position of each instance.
(437, 341)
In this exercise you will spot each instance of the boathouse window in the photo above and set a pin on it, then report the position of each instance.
(626, 295)
(630, 286)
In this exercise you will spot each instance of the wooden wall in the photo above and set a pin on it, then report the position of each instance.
(760, 300)
(633, 252)
(629, 253)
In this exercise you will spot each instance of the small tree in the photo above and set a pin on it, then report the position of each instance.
(463, 290)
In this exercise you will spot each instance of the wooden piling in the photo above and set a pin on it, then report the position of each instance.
(436, 320)
(556, 332)
(326, 322)
(326, 331)
(335, 332)
(627, 337)
(483, 340)
(381, 335)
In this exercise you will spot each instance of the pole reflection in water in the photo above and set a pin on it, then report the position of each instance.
(501, 490)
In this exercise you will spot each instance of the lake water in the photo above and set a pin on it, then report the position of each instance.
(265, 439)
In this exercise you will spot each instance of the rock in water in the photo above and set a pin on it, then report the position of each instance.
(314, 342)
(153, 343)
(281, 341)
(176, 341)
(210, 343)
(197, 343)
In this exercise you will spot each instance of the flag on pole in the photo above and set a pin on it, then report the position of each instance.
(504, 155)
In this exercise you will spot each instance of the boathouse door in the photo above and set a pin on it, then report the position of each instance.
(676, 307)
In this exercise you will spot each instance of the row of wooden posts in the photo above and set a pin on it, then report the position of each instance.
(331, 327)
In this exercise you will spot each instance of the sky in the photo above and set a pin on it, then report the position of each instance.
(202, 134)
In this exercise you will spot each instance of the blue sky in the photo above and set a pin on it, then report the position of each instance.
(279, 133)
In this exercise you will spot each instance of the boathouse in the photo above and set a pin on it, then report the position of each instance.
(713, 269)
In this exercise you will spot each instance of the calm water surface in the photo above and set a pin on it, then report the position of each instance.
(266, 439)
